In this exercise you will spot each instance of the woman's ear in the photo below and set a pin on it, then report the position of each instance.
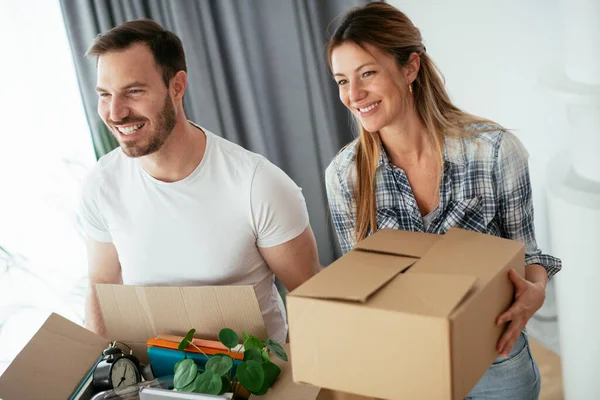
(178, 85)
(412, 67)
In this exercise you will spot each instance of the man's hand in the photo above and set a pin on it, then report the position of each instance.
(530, 294)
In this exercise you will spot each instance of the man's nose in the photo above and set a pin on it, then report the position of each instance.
(118, 109)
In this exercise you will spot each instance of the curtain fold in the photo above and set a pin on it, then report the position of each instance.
(257, 75)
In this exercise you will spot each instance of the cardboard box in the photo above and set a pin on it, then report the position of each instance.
(61, 353)
(404, 315)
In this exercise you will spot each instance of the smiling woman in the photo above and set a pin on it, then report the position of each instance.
(422, 164)
(45, 149)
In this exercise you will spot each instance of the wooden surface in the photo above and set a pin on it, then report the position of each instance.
(550, 369)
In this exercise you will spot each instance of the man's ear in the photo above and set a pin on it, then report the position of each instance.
(178, 85)
(412, 67)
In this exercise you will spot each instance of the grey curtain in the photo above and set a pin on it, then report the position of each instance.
(258, 76)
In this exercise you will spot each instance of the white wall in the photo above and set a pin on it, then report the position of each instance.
(491, 54)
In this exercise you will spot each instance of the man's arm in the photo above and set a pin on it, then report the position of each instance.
(294, 261)
(103, 267)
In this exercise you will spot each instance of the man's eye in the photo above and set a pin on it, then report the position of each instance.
(135, 91)
(103, 94)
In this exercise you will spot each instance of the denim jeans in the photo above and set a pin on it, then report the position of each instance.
(515, 377)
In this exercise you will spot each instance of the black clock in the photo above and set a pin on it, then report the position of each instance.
(116, 369)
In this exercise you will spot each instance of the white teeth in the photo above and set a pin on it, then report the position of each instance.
(130, 129)
(367, 109)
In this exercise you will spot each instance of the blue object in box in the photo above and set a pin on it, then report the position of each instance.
(163, 361)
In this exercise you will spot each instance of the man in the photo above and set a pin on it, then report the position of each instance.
(176, 204)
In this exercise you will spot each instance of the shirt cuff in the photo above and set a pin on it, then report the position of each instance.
(551, 264)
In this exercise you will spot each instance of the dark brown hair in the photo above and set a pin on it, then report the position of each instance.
(164, 45)
(391, 31)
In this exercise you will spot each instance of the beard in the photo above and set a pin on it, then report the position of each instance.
(151, 142)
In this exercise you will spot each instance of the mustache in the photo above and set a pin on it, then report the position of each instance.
(127, 120)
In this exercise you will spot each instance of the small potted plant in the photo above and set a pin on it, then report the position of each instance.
(255, 374)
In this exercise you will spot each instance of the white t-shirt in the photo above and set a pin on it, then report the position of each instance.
(201, 230)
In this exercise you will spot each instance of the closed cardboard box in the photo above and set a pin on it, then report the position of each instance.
(404, 315)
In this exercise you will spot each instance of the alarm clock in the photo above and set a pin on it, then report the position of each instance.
(116, 369)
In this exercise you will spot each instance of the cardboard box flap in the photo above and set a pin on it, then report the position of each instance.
(54, 361)
(355, 276)
(470, 253)
(137, 313)
(435, 295)
(398, 242)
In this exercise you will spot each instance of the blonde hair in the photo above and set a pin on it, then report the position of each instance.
(391, 31)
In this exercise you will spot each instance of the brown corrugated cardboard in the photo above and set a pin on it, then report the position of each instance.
(404, 315)
(286, 389)
(135, 313)
(61, 353)
(326, 394)
(52, 363)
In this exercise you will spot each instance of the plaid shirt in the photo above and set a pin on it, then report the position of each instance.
(485, 188)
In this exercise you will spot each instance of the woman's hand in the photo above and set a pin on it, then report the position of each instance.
(530, 294)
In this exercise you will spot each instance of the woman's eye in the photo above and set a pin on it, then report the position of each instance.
(368, 73)
(341, 82)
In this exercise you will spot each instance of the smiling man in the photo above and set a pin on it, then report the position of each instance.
(176, 204)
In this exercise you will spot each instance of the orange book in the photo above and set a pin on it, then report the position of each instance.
(168, 344)
(213, 344)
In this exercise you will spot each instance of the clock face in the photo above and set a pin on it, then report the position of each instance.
(123, 373)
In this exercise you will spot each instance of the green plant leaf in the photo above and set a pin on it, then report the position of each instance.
(276, 349)
(251, 342)
(191, 387)
(253, 354)
(251, 375)
(226, 384)
(265, 355)
(179, 362)
(185, 372)
(220, 364)
(209, 383)
(272, 371)
(229, 338)
(187, 339)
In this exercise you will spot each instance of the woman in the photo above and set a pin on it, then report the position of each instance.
(422, 164)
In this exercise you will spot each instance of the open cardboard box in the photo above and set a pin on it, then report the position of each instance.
(61, 353)
(404, 314)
